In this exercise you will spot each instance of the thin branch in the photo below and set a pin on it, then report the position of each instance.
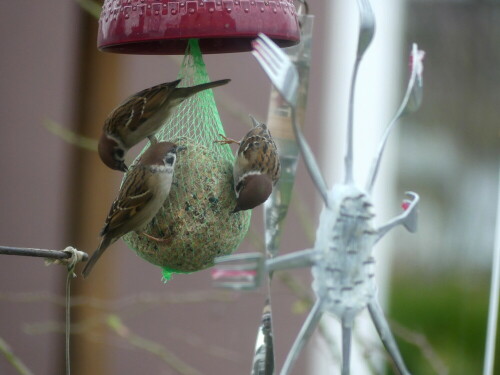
(40, 253)
(13, 359)
(369, 348)
(198, 344)
(256, 240)
(306, 300)
(67, 309)
(123, 303)
(332, 345)
(88, 324)
(420, 341)
(128, 307)
(305, 218)
(115, 323)
(296, 287)
(91, 6)
(70, 136)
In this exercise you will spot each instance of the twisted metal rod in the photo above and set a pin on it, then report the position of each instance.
(39, 253)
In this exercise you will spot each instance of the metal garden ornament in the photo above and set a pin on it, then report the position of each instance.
(341, 260)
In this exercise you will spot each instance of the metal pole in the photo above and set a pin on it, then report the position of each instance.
(39, 253)
(489, 357)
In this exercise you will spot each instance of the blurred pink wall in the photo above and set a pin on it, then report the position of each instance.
(37, 74)
(38, 71)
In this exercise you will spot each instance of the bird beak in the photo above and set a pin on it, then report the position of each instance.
(123, 167)
(254, 121)
(236, 209)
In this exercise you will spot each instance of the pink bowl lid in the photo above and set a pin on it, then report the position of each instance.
(163, 27)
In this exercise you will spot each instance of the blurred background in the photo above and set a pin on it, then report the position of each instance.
(53, 194)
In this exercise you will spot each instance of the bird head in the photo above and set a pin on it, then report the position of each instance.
(161, 154)
(252, 190)
(112, 153)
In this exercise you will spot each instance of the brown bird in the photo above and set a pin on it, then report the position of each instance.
(141, 116)
(256, 168)
(142, 194)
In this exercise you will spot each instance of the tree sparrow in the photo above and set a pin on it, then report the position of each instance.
(141, 116)
(256, 168)
(142, 194)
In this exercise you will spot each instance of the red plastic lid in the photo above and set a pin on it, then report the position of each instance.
(163, 27)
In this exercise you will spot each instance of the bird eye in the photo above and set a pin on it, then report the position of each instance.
(170, 159)
(119, 154)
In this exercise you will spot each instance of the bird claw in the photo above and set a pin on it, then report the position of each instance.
(226, 140)
(164, 240)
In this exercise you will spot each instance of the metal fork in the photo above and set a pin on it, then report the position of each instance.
(284, 76)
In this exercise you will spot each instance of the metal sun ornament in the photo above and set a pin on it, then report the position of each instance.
(341, 260)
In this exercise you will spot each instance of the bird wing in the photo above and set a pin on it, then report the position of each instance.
(258, 152)
(141, 106)
(133, 198)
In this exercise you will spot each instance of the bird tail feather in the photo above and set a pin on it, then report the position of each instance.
(105, 243)
(186, 92)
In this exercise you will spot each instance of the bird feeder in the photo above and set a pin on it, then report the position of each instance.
(163, 27)
(196, 221)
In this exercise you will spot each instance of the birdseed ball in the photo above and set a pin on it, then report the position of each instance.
(195, 224)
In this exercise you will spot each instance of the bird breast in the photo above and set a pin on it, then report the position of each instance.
(159, 183)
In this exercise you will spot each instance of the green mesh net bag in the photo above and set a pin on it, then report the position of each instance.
(196, 219)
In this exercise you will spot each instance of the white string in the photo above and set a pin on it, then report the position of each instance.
(71, 262)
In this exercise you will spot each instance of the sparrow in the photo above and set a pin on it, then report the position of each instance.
(257, 167)
(141, 116)
(143, 192)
